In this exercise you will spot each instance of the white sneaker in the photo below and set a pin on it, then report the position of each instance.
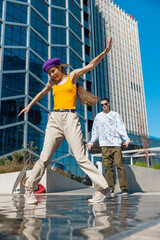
(100, 196)
(29, 194)
(30, 197)
(112, 194)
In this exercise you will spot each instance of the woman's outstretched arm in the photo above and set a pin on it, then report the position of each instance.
(75, 74)
(45, 90)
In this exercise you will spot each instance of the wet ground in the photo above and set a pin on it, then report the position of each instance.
(70, 217)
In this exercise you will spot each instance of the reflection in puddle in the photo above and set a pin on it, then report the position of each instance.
(100, 222)
(70, 217)
(19, 219)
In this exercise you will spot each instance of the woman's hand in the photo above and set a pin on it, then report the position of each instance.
(108, 48)
(26, 110)
(79, 72)
(45, 90)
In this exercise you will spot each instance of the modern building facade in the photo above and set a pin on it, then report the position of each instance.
(32, 31)
(124, 69)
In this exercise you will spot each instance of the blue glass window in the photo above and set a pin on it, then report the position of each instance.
(38, 138)
(79, 106)
(52, 101)
(62, 149)
(39, 25)
(1, 7)
(75, 44)
(13, 84)
(74, 25)
(14, 59)
(58, 35)
(82, 126)
(68, 162)
(22, 0)
(39, 46)
(41, 6)
(16, 13)
(10, 110)
(58, 17)
(72, 166)
(35, 66)
(75, 9)
(15, 35)
(34, 88)
(61, 3)
(78, 1)
(75, 61)
(13, 139)
(38, 117)
(59, 52)
(0, 31)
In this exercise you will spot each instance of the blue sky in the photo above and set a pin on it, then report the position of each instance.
(147, 12)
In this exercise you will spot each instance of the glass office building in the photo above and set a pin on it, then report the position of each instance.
(32, 31)
(124, 68)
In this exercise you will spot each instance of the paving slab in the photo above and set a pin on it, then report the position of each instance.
(147, 234)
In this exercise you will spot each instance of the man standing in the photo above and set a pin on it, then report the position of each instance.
(110, 130)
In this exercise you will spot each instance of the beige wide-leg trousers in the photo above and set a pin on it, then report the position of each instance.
(63, 125)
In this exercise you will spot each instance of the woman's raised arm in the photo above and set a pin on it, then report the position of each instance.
(75, 74)
(45, 90)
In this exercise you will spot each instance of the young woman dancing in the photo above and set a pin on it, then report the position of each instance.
(64, 123)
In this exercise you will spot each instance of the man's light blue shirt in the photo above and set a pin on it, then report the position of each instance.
(109, 129)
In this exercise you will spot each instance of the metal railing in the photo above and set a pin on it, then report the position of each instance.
(131, 154)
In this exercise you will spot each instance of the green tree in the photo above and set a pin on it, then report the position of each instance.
(29, 152)
(4, 161)
(18, 157)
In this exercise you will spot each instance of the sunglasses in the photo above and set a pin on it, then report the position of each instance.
(105, 104)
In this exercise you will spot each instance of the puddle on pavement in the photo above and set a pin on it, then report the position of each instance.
(71, 217)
